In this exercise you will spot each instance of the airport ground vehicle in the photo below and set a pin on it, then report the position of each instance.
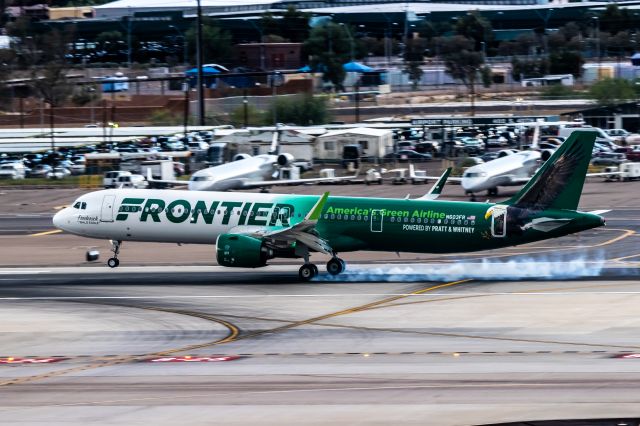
(110, 179)
(131, 181)
(248, 233)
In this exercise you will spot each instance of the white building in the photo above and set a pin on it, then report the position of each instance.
(374, 142)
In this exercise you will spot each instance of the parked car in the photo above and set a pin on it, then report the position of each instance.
(497, 141)
(12, 171)
(58, 173)
(631, 153)
(472, 145)
(409, 155)
(40, 170)
(608, 159)
(197, 145)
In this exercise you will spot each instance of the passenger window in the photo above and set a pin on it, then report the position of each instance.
(339, 217)
(419, 220)
(353, 217)
(406, 219)
(393, 219)
(326, 216)
(333, 217)
(366, 218)
(412, 220)
(359, 217)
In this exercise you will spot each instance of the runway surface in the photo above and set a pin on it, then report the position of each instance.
(542, 331)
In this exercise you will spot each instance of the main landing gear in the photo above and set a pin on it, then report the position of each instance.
(308, 271)
(115, 248)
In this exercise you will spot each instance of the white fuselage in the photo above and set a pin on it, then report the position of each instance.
(173, 216)
(233, 175)
(505, 171)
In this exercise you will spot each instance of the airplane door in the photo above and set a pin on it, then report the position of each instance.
(499, 221)
(106, 214)
(376, 220)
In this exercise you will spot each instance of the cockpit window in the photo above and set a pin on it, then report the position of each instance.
(201, 178)
(84, 206)
(76, 205)
(80, 205)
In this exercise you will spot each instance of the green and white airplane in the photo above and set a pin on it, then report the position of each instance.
(250, 229)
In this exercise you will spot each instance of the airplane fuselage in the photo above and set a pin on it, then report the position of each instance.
(511, 170)
(233, 175)
(346, 223)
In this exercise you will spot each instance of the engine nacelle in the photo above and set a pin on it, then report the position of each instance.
(545, 154)
(240, 157)
(285, 159)
(241, 251)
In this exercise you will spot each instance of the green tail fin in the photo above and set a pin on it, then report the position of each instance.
(558, 184)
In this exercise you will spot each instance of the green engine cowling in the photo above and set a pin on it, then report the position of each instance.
(241, 251)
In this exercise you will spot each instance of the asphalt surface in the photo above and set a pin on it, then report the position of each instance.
(536, 332)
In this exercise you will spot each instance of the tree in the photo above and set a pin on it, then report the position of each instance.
(329, 47)
(614, 19)
(413, 57)
(566, 62)
(462, 63)
(528, 69)
(612, 91)
(46, 58)
(293, 26)
(301, 110)
(474, 27)
(216, 43)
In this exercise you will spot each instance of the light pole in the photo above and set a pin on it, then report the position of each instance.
(596, 27)
(184, 44)
(200, 78)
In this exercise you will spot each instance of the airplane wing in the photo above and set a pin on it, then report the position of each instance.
(412, 175)
(603, 174)
(437, 187)
(268, 183)
(302, 232)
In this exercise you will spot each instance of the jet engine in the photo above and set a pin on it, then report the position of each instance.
(242, 251)
(240, 157)
(285, 159)
(545, 154)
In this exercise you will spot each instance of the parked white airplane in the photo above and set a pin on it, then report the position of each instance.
(511, 170)
(247, 172)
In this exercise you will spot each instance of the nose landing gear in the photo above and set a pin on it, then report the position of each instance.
(113, 262)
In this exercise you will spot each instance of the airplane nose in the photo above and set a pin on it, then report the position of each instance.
(59, 218)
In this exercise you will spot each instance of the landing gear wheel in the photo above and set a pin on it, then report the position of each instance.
(307, 271)
(335, 266)
(113, 262)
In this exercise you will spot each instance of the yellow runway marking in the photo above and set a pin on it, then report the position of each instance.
(40, 234)
(348, 311)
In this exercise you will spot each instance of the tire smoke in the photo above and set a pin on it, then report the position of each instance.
(542, 268)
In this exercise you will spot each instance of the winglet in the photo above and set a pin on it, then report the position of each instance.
(315, 212)
(436, 189)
